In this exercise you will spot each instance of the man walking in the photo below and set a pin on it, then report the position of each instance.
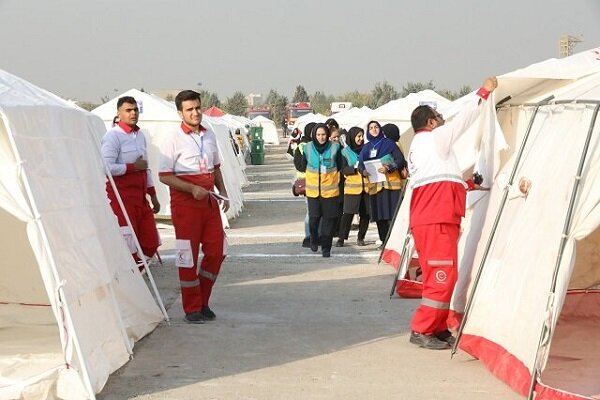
(190, 166)
(124, 152)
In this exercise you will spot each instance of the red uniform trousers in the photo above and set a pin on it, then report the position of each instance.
(437, 246)
(142, 221)
(195, 226)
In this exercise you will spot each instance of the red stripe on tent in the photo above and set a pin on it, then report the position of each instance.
(510, 369)
(391, 257)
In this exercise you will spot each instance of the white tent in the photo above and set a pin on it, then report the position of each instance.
(398, 112)
(270, 135)
(158, 118)
(534, 304)
(308, 118)
(535, 310)
(72, 301)
(355, 116)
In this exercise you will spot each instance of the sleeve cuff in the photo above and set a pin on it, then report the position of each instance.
(130, 168)
(151, 190)
(483, 93)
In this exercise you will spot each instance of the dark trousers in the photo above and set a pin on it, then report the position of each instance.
(327, 225)
(346, 223)
(383, 227)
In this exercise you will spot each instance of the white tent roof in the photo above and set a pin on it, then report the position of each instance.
(159, 117)
(72, 300)
(270, 135)
(355, 116)
(308, 118)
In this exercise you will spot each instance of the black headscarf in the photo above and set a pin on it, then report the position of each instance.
(320, 147)
(391, 132)
(351, 139)
(307, 137)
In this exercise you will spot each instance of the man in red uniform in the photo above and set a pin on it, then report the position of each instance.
(436, 209)
(189, 165)
(124, 151)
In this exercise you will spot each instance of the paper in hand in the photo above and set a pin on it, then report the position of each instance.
(371, 167)
(217, 196)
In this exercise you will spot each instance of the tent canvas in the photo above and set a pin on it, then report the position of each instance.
(158, 118)
(270, 135)
(72, 300)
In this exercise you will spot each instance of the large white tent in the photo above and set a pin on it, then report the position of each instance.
(355, 116)
(398, 112)
(158, 118)
(72, 301)
(531, 257)
(270, 135)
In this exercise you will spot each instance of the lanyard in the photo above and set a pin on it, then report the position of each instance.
(201, 145)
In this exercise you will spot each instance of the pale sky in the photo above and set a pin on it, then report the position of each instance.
(84, 49)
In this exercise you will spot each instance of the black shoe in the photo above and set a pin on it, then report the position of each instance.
(326, 253)
(446, 336)
(430, 342)
(194, 318)
(208, 314)
(314, 247)
(360, 242)
(339, 243)
(306, 242)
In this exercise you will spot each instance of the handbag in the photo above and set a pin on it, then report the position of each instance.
(299, 187)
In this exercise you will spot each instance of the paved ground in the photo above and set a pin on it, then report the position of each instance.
(290, 324)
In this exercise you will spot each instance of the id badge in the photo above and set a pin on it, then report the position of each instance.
(203, 164)
(373, 153)
(323, 169)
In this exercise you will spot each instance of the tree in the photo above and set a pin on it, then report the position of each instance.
(209, 99)
(277, 104)
(86, 105)
(356, 98)
(382, 93)
(321, 103)
(170, 97)
(300, 95)
(414, 87)
(464, 90)
(451, 95)
(236, 104)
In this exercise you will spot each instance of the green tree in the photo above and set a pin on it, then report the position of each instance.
(414, 87)
(321, 103)
(170, 97)
(382, 93)
(209, 99)
(300, 95)
(236, 104)
(86, 105)
(464, 90)
(356, 98)
(277, 104)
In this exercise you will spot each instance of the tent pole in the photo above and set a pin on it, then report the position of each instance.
(495, 225)
(137, 243)
(61, 293)
(546, 331)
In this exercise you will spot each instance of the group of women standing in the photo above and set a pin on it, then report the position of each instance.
(333, 172)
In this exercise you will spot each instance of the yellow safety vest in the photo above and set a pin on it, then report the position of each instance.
(322, 173)
(393, 181)
(355, 183)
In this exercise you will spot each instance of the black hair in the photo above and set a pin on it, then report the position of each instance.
(186, 95)
(420, 116)
(332, 123)
(126, 99)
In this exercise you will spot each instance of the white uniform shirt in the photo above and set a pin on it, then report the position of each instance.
(190, 153)
(120, 148)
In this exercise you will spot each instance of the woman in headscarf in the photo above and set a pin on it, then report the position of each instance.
(384, 193)
(321, 161)
(356, 189)
(300, 175)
